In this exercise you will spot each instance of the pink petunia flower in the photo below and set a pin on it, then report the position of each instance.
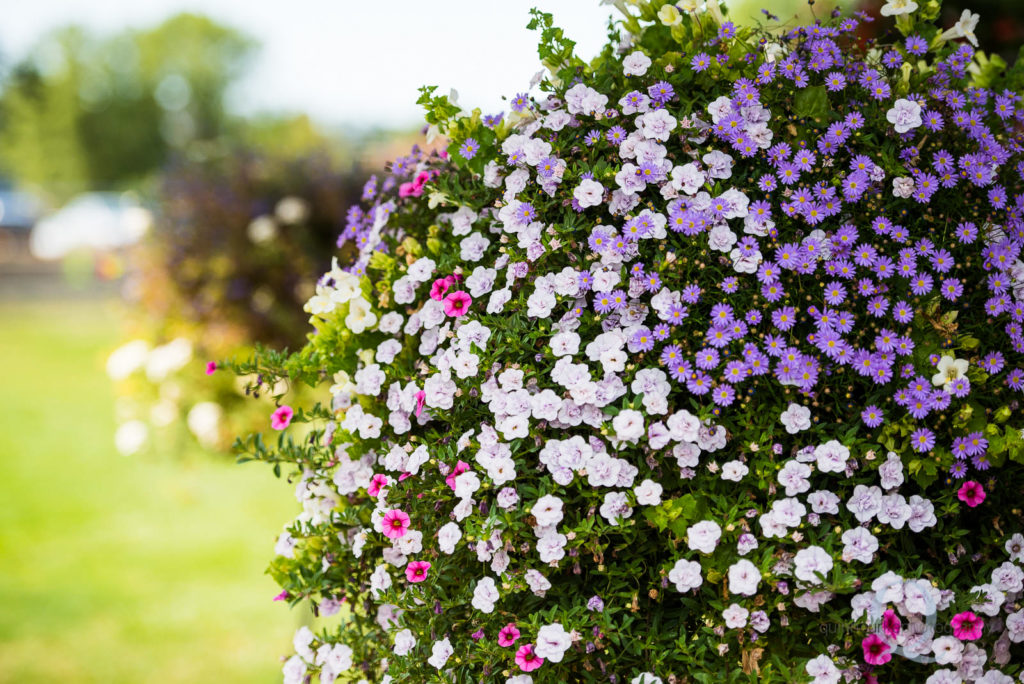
(460, 468)
(211, 367)
(971, 493)
(395, 523)
(421, 399)
(967, 626)
(438, 289)
(876, 651)
(457, 303)
(508, 635)
(377, 483)
(415, 187)
(891, 624)
(282, 417)
(527, 660)
(416, 571)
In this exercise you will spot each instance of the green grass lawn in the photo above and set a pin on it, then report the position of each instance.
(117, 569)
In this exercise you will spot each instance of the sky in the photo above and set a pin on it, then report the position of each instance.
(348, 63)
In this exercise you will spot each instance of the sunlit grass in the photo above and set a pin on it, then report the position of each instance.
(118, 569)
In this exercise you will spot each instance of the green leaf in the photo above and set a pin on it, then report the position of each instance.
(811, 102)
(674, 514)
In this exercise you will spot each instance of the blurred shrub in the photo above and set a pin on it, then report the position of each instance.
(239, 241)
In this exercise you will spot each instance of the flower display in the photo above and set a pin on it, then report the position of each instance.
(671, 373)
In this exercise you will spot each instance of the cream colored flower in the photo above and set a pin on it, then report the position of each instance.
(894, 8)
(963, 28)
(360, 315)
(670, 15)
(949, 371)
(342, 383)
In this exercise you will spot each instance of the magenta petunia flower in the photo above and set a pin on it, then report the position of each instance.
(211, 367)
(416, 571)
(971, 493)
(460, 468)
(377, 482)
(876, 651)
(421, 399)
(527, 660)
(395, 523)
(508, 635)
(891, 624)
(967, 626)
(438, 289)
(457, 303)
(282, 417)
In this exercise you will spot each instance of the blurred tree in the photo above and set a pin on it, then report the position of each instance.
(81, 113)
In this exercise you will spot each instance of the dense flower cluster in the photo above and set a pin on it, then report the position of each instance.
(705, 366)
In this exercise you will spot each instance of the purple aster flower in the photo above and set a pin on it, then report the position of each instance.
(603, 303)
(615, 135)
(835, 293)
(961, 387)
(723, 395)
(958, 470)
(643, 339)
(680, 370)
(835, 81)
(922, 440)
(469, 148)
(690, 294)
(772, 292)
(966, 233)
(767, 183)
(916, 45)
(784, 318)
(698, 383)
(670, 354)
(520, 102)
(951, 289)
(707, 358)
(735, 371)
(700, 62)
(1015, 379)
(993, 362)
(976, 444)
(661, 332)
(661, 92)
(892, 59)
(921, 284)
(722, 315)
(677, 314)
(872, 416)
(981, 462)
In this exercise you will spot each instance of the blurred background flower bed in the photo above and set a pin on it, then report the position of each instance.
(236, 249)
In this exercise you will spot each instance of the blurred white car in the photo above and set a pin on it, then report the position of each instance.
(95, 220)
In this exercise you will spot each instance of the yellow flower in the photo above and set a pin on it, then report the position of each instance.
(669, 15)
